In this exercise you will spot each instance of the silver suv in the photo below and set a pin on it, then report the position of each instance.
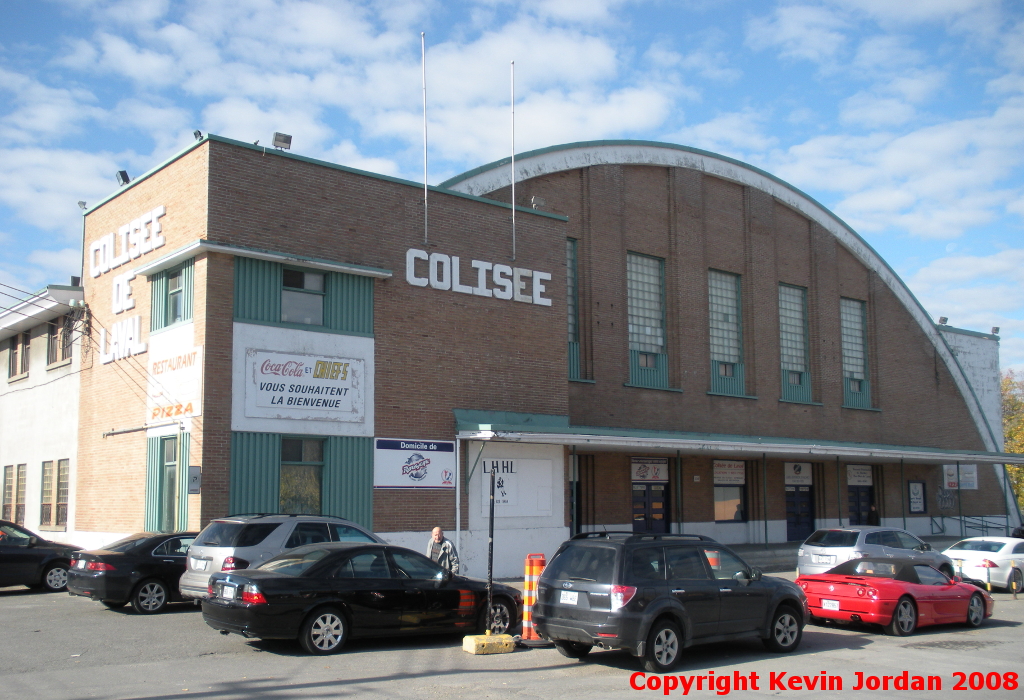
(826, 549)
(245, 541)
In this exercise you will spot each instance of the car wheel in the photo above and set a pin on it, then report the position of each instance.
(55, 578)
(784, 634)
(501, 617)
(975, 611)
(947, 570)
(324, 631)
(150, 597)
(1015, 578)
(664, 644)
(114, 604)
(573, 650)
(904, 619)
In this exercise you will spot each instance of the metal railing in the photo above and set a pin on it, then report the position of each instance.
(968, 525)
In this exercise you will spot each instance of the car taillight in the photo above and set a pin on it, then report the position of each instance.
(872, 593)
(251, 594)
(98, 566)
(988, 564)
(858, 555)
(233, 563)
(860, 591)
(209, 590)
(800, 552)
(621, 595)
(74, 563)
(802, 584)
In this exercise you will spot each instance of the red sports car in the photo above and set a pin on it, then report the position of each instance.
(899, 594)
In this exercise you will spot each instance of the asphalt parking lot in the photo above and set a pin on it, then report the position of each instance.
(56, 646)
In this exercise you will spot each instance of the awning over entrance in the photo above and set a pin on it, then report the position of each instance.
(504, 426)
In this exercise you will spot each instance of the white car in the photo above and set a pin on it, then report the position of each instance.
(988, 559)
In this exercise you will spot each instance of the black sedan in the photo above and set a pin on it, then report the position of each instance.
(142, 569)
(321, 594)
(26, 559)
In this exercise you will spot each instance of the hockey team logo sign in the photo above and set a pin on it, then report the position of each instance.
(413, 464)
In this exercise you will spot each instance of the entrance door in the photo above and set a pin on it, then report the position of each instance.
(860, 500)
(650, 507)
(799, 512)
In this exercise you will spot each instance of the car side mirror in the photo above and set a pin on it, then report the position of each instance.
(926, 547)
(756, 574)
(446, 577)
(741, 577)
(33, 541)
(958, 579)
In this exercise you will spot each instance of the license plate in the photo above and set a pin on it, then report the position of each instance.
(198, 564)
(829, 604)
(824, 558)
(229, 592)
(569, 597)
(81, 564)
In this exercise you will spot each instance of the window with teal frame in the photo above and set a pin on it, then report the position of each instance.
(333, 302)
(645, 297)
(793, 346)
(572, 308)
(853, 328)
(172, 294)
(167, 483)
(726, 333)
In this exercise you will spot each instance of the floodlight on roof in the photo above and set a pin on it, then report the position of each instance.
(122, 177)
(282, 140)
(198, 134)
(82, 205)
(995, 330)
(943, 320)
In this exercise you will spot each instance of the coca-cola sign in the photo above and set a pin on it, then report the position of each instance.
(282, 369)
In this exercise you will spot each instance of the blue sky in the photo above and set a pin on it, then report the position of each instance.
(905, 118)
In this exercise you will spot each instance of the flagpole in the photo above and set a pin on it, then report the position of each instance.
(513, 105)
(423, 66)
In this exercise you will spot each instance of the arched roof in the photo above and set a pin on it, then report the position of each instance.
(494, 176)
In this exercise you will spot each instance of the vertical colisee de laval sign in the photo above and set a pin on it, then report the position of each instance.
(107, 253)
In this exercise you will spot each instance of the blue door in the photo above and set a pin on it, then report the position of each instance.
(799, 512)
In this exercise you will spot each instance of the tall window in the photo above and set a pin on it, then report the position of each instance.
(302, 298)
(302, 466)
(59, 339)
(796, 378)
(572, 308)
(169, 490)
(726, 333)
(172, 295)
(645, 289)
(53, 509)
(14, 493)
(17, 360)
(853, 325)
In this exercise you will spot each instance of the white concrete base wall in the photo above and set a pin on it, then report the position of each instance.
(727, 533)
(510, 548)
(95, 540)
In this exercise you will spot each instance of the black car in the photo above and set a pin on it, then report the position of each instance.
(142, 569)
(321, 594)
(654, 595)
(26, 559)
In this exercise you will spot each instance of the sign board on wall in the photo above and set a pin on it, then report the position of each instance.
(730, 472)
(520, 485)
(303, 387)
(967, 478)
(797, 473)
(648, 468)
(195, 479)
(175, 376)
(916, 496)
(858, 475)
(420, 464)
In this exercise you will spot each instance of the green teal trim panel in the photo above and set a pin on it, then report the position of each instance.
(255, 484)
(184, 441)
(188, 274)
(652, 377)
(158, 306)
(258, 285)
(796, 393)
(853, 398)
(574, 360)
(348, 479)
(151, 519)
(348, 303)
(734, 385)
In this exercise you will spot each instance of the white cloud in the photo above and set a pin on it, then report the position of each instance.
(811, 33)
(872, 111)
(42, 112)
(735, 134)
(348, 154)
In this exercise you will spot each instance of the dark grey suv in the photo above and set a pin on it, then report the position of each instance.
(654, 595)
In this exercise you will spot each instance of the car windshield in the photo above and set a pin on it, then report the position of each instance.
(221, 533)
(583, 563)
(126, 544)
(978, 546)
(833, 538)
(865, 567)
(294, 564)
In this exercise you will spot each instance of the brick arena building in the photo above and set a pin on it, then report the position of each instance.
(656, 338)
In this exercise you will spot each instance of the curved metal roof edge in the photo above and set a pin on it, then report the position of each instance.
(858, 246)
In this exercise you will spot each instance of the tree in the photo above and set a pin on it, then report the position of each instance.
(1012, 386)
